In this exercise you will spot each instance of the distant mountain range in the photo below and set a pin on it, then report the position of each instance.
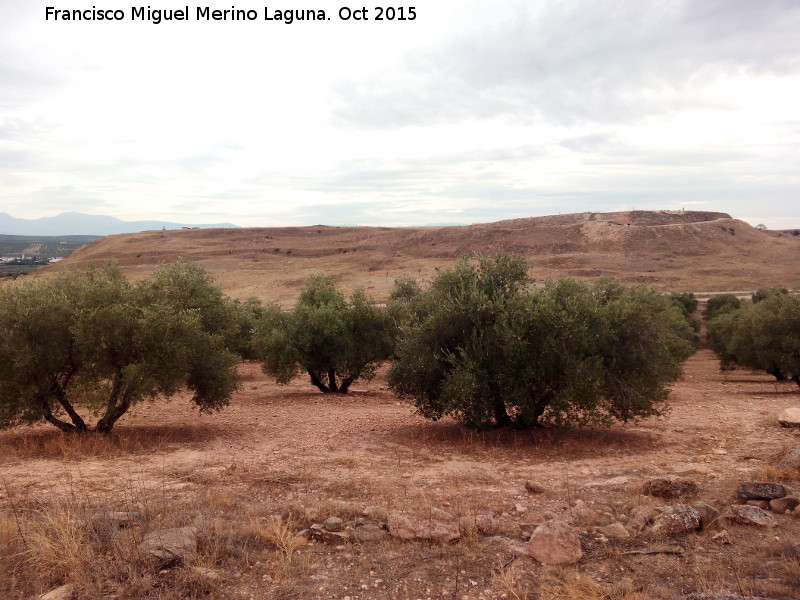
(73, 223)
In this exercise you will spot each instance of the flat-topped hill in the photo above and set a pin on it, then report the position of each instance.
(674, 250)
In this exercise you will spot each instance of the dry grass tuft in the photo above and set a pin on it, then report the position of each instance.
(280, 536)
(510, 582)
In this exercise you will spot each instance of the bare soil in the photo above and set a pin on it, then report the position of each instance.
(295, 452)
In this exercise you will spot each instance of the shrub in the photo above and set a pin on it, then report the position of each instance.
(91, 339)
(491, 353)
(336, 341)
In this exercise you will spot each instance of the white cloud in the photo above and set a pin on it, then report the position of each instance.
(476, 110)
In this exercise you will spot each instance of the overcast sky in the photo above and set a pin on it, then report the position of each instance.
(475, 111)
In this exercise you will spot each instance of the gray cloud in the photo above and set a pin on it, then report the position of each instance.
(603, 62)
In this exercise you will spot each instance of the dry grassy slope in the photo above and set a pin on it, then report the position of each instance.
(673, 250)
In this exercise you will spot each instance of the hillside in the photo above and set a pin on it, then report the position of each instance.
(691, 251)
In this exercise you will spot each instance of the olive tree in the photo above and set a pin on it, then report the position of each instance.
(763, 336)
(720, 304)
(335, 340)
(455, 335)
(491, 352)
(89, 339)
(687, 303)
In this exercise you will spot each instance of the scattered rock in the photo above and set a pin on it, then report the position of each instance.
(756, 490)
(790, 417)
(762, 504)
(722, 537)
(60, 593)
(555, 543)
(483, 524)
(370, 532)
(318, 532)
(170, 546)
(791, 460)
(614, 481)
(407, 527)
(507, 544)
(657, 550)
(206, 573)
(520, 508)
(333, 524)
(708, 514)
(670, 489)
(533, 487)
(677, 520)
(641, 517)
(615, 531)
(748, 515)
(124, 518)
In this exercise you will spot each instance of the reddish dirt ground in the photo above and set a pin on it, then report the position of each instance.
(285, 445)
(726, 423)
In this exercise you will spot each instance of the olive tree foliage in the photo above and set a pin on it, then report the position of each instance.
(687, 300)
(492, 352)
(335, 340)
(721, 304)
(687, 303)
(765, 292)
(764, 336)
(89, 339)
(189, 286)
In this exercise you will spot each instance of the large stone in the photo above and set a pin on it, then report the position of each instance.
(781, 505)
(409, 527)
(506, 544)
(670, 489)
(369, 532)
(482, 524)
(641, 517)
(533, 487)
(615, 531)
(555, 543)
(170, 546)
(748, 515)
(790, 417)
(125, 518)
(708, 514)
(334, 524)
(677, 520)
(757, 490)
(65, 592)
(318, 533)
(791, 460)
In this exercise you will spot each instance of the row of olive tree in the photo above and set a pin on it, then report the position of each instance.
(89, 339)
(763, 335)
(480, 345)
